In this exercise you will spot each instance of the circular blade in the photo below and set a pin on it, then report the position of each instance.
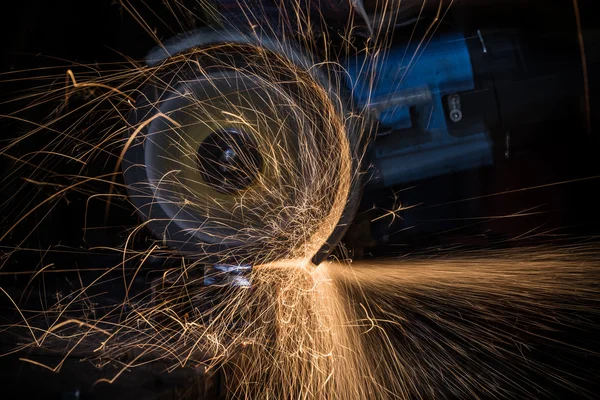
(242, 154)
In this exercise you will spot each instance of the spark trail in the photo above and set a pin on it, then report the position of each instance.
(446, 326)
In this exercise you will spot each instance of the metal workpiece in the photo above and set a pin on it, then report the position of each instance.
(228, 275)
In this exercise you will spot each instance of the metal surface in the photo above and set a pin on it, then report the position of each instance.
(414, 96)
(454, 112)
(410, 83)
(229, 160)
(228, 275)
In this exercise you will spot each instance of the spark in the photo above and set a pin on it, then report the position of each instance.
(394, 329)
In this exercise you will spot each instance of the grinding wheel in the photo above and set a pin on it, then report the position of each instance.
(241, 151)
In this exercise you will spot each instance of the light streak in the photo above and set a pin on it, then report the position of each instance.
(393, 329)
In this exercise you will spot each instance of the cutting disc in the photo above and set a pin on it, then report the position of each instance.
(240, 150)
